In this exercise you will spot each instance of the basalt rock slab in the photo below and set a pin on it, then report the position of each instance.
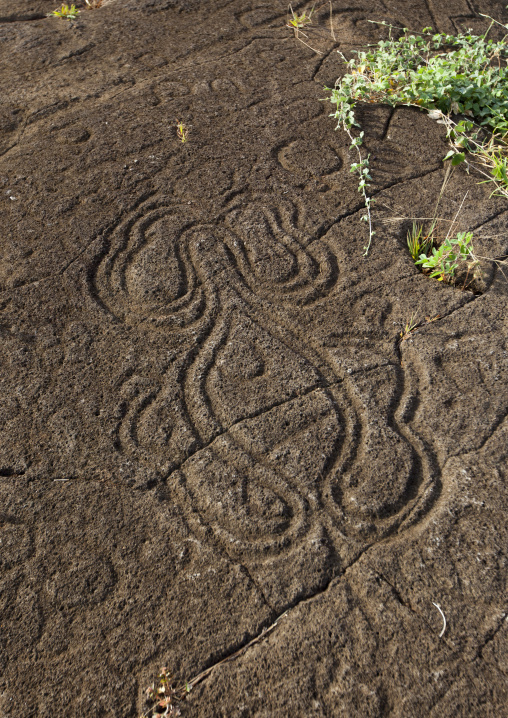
(210, 415)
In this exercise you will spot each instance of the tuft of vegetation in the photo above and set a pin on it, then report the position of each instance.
(182, 131)
(417, 244)
(443, 261)
(413, 323)
(162, 698)
(447, 75)
(65, 12)
(440, 258)
(297, 22)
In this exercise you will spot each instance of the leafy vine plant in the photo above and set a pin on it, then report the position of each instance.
(448, 75)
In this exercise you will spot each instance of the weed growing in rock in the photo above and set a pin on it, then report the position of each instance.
(162, 697)
(182, 131)
(413, 323)
(441, 258)
(417, 244)
(448, 75)
(444, 260)
(297, 22)
(65, 12)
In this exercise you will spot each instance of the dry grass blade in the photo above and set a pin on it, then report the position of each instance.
(331, 23)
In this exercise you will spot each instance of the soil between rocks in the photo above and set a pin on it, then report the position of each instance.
(207, 415)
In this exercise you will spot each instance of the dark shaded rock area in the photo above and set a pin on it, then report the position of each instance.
(207, 415)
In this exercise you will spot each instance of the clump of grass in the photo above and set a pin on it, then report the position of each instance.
(413, 323)
(445, 74)
(417, 244)
(441, 258)
(65, 12)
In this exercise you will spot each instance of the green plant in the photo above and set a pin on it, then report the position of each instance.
(296, 22)
(65, 12)
(445, 259)
(496, 160)
(416, 243)
(445, 74)
(499, 168)
(182, 131)
(413, 324)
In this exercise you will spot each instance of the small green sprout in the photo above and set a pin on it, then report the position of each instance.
(298, 21)
(65, 12)
(497, 162)
(411, 324)
(162, 697)
(182, 132)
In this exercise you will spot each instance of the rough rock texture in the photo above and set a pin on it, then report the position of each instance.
(207, 415)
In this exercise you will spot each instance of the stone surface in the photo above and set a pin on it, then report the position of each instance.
(208, 418)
